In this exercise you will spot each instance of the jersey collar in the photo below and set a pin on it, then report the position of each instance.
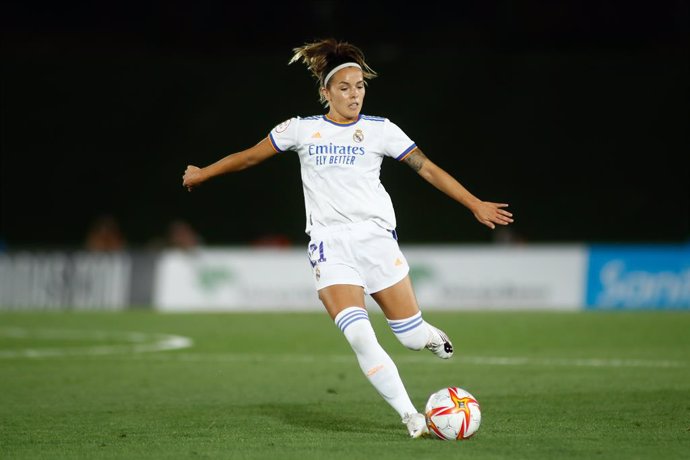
(325, 117)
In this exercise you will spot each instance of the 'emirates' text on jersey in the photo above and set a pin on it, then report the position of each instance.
(340, 166)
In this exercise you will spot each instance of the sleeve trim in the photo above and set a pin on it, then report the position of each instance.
(273, 144)
(407, 151)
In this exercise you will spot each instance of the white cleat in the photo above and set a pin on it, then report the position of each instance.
(439, 344)
(416, 425)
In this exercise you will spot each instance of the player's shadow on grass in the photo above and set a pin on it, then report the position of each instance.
(315, 418)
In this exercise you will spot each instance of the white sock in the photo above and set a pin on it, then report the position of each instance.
(378, 367)
(413, 332)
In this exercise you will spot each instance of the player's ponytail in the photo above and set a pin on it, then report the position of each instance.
(322, 56)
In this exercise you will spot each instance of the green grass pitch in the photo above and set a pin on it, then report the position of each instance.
(587, 385)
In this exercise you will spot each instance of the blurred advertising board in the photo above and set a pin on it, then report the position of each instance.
(234, 279)
(453, 277)
(499, 277)
(638, 277)
(64, 281)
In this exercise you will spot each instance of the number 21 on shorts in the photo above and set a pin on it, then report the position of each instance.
(312, 253)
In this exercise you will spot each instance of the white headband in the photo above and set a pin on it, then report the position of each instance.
(335, 69)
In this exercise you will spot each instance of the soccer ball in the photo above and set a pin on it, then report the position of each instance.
(452, 413)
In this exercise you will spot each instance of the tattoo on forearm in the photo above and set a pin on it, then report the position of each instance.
(415, 160)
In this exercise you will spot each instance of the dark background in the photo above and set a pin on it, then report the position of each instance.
(574, 113)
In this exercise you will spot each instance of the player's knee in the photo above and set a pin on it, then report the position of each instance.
(362, 339)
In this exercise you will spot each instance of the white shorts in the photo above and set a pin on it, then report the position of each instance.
(364, 254)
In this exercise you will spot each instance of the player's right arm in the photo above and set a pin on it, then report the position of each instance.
(195, 176)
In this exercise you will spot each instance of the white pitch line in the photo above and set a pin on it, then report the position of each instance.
(139, 342)
(573, 362)
(478, 360)
(136, 342)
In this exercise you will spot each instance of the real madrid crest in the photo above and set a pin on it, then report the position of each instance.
(358, 136)
(283, 126)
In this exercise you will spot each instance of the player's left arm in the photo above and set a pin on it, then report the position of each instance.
(486, 212)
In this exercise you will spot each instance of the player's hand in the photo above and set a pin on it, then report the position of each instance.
(192, 177)
(492, 214)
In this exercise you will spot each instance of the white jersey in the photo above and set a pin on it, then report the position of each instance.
(341, 163)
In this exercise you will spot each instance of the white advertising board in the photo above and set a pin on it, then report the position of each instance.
(445, 278)
(234, 279)
(499, 277)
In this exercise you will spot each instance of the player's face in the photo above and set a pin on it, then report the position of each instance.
(345, 94)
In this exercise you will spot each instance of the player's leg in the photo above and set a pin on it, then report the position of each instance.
(345, 304)
(399, 303)
(387, 278)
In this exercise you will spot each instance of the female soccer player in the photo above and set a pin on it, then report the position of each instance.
(350, 217)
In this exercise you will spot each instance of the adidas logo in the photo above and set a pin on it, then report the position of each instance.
(316, 135)
(398, 262)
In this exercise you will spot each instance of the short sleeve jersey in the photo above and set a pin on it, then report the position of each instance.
(340, 166)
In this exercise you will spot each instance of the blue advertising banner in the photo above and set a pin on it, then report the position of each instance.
(638, 277)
